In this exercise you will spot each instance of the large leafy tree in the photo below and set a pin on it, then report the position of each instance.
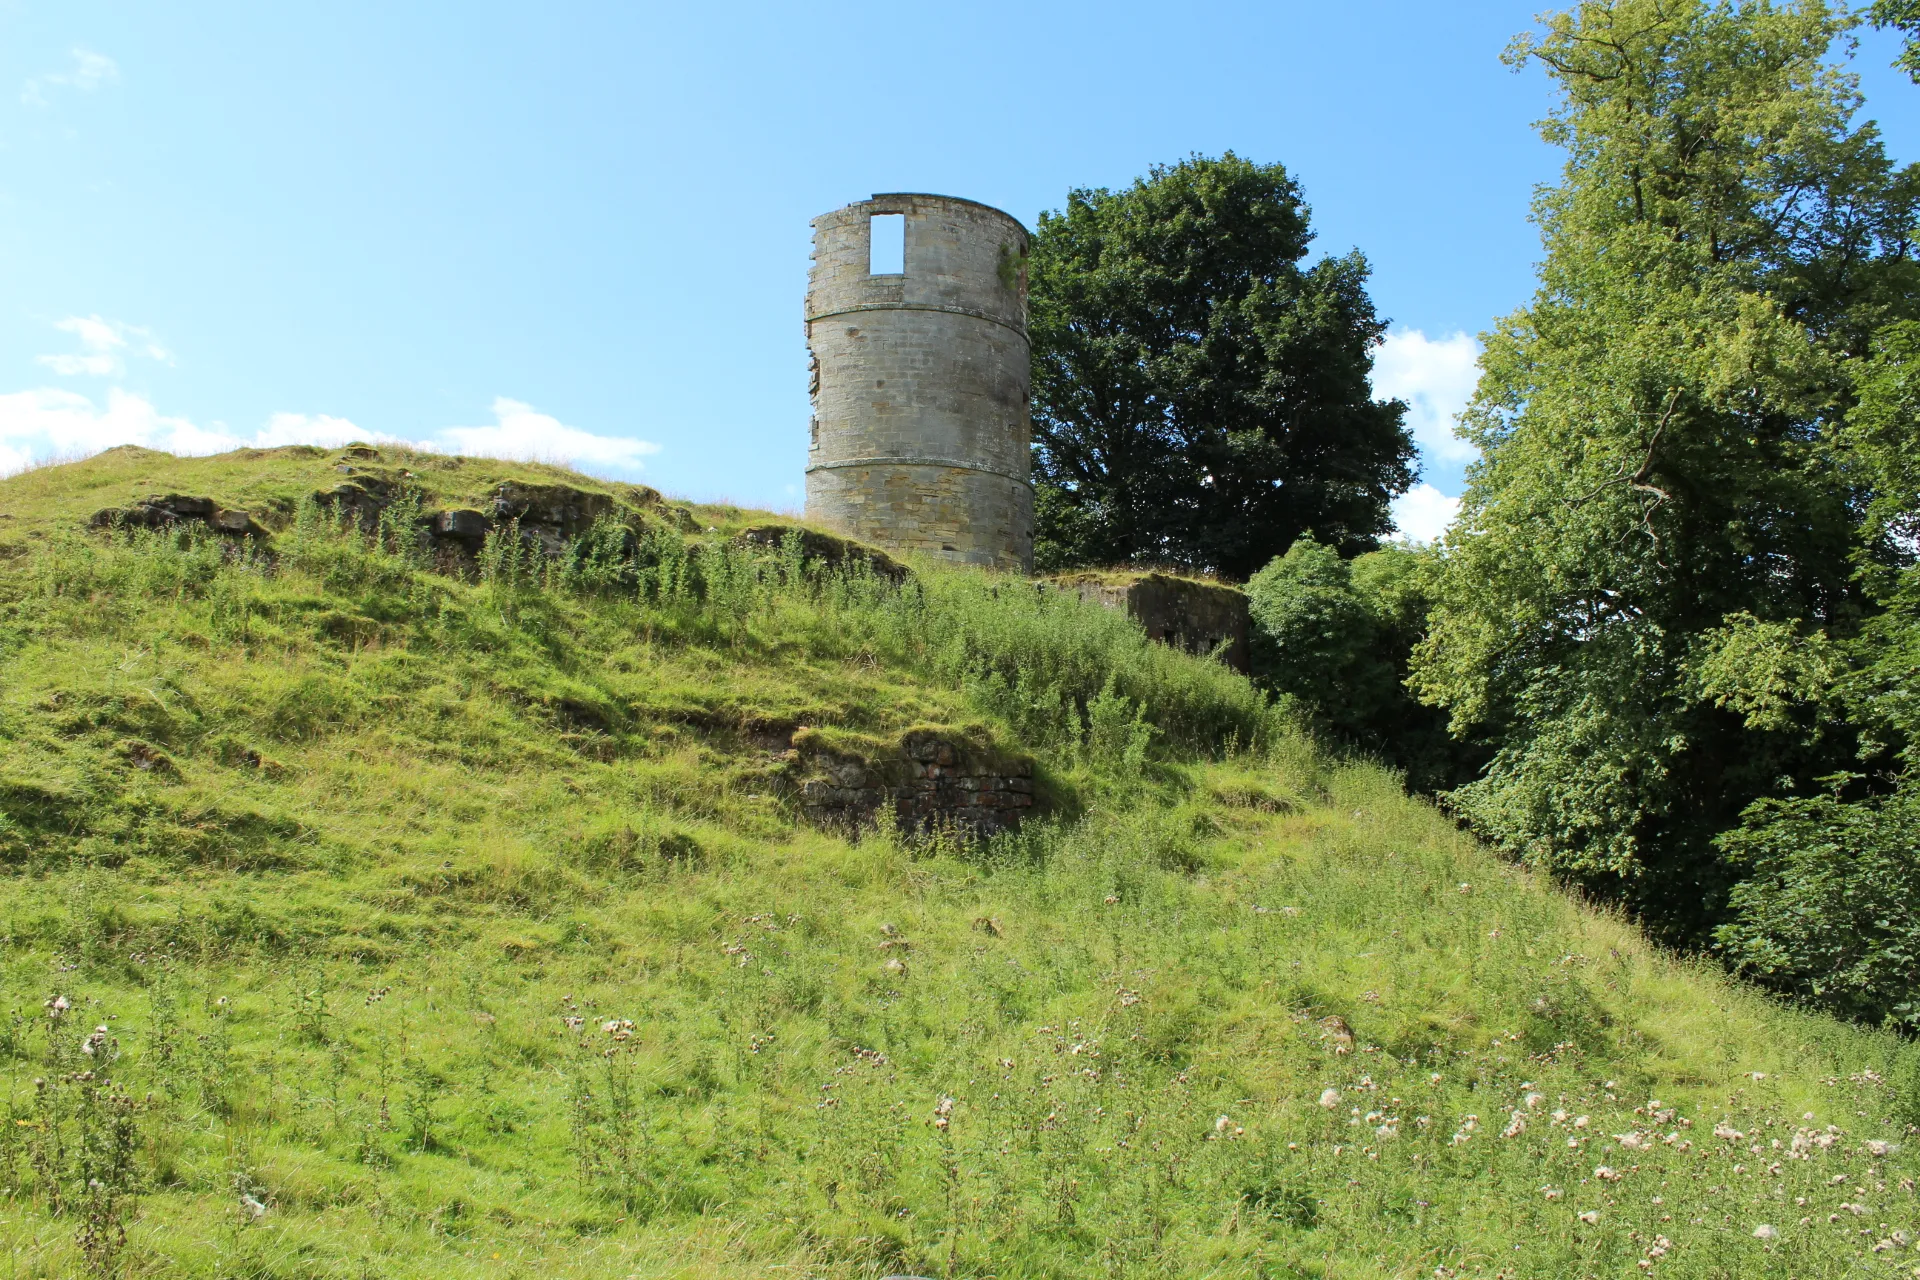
(1201, 398)
(1830, 906)
(1658, 520)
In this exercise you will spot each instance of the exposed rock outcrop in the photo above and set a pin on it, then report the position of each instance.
(166, 511)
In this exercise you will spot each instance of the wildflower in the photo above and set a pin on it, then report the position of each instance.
(1856, 1209)
(1765, 1232)
(1633, 1141)
(1515, 1127)
(1580, 1122)
(1111, 899)
(1877, 1147)
(1590, 1216)
(943, 1113)
(57, 1006)
(1335, 1028)
(1330, 1098)
(1551, 1193)
(94, 1042)
(1728, 1132)
(1606, 1173)
(253, 1208)
(1222, 1124)
(1559, 1115)
(1434, 1078)
(896, 966)
(1533, 1100)
(1659, 1247)
(1466, 888)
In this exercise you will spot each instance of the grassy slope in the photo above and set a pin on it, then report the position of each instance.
(403, 845)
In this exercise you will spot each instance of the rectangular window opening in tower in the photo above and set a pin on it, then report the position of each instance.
(887, 244)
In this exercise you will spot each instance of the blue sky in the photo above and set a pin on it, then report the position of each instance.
(580, 231)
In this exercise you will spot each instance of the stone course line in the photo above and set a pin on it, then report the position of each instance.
(923, 462)
(916, 306)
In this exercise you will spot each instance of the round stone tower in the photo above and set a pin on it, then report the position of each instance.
(921, 431)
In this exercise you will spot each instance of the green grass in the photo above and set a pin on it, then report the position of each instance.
(356, 863)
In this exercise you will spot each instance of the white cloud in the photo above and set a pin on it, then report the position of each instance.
(54, 422)
(1436, 378)
(521, 431)
(90, 71)
(104, 345)
(322, 429)
(1423, 512)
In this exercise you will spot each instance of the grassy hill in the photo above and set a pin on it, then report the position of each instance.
(458, 914)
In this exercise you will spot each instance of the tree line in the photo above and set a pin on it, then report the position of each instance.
(1670, 649)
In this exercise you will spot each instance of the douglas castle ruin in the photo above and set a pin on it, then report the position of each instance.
(917, 321)
(922, 438)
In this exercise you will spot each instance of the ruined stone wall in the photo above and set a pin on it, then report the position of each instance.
(1187, 614)
(928, 781)
(921, 432)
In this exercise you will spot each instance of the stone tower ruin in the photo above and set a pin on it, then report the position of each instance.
(920, 373)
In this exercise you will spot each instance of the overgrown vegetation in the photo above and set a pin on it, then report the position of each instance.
(1674, 629)
(437, 926)
(1336, 635)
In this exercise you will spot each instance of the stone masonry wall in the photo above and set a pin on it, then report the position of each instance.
(921, 432)
(930, 781)
(1190, 615)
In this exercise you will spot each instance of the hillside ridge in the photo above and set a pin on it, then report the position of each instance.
(366, 915)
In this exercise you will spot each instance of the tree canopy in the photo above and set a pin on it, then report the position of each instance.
(1661, 532)
(1201, 398)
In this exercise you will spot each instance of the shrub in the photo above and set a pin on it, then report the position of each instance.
(1336, 635)
(1831, 911)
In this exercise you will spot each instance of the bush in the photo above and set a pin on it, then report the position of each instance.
(1831, 912)
(1336, 635)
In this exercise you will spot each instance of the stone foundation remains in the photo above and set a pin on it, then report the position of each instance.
(1182, 612)
(930, 779)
